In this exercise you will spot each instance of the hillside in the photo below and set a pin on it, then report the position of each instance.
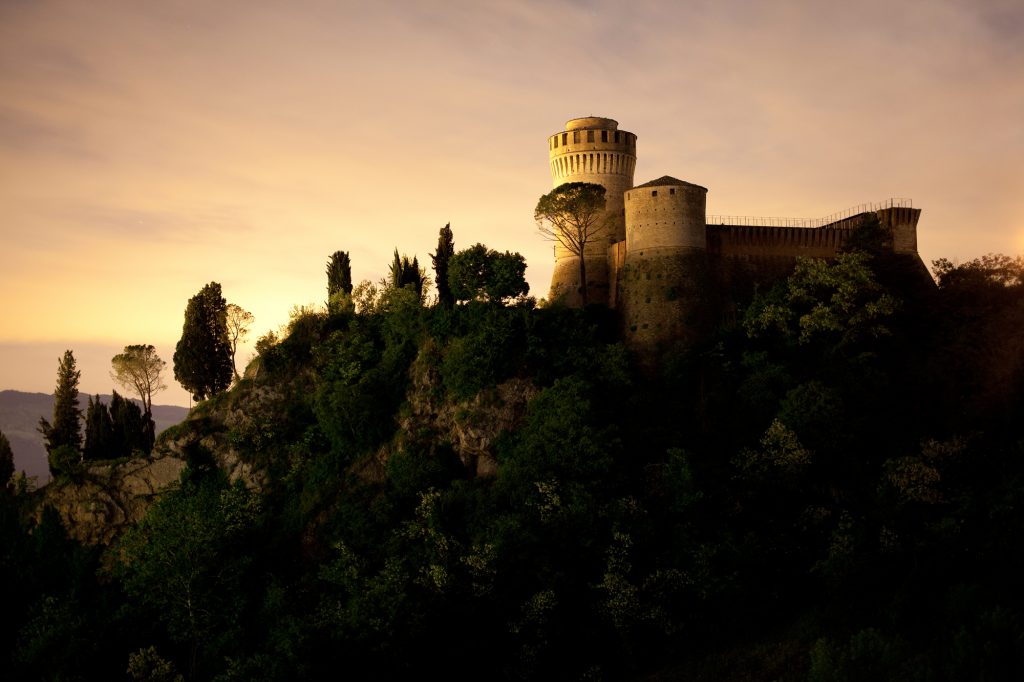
(828, 487)
(19, 421)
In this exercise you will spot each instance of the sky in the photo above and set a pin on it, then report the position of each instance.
(148, 148)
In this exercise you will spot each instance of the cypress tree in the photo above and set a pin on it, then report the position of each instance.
(64, 435)
(130, 428)
(339, 274)
(99, 431)
(404, 273)
(202, 358)
(444, 253)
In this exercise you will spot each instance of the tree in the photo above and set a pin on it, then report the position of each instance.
(184, 562)
(131, 430)
(99, 431)
(838, 304)
(440, 259)
(339, 274)
(202, 358)
(485, 274)
(239, 321)
(64, 436)
(139, 368)
(572, 214)
(403, 273)
(6, 462)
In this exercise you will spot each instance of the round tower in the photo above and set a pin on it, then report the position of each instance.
(591, 149)
(662, 284)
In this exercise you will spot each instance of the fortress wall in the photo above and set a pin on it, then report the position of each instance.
(662, 298)
(785, 242)
(565, 281)
(616, 263)
(817, 242)
(902, 222)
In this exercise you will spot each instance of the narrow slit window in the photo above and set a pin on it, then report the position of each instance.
(575, 137)
(565, 139)
(604, 136)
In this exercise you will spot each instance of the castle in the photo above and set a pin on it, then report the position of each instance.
(661, 254)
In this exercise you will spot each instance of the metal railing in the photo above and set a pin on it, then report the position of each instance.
(761, 221)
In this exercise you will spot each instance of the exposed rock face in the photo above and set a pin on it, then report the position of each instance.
(469, 426)
(111, 497)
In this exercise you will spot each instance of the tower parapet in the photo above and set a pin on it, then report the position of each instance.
(591, 149)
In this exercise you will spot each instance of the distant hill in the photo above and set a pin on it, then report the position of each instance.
(19, 419)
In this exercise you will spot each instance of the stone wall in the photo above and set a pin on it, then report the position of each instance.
(663, 298)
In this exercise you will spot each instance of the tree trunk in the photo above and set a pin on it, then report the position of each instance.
(583, 278)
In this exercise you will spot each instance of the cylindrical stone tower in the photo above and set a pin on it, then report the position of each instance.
(663, 280)
(591, 149)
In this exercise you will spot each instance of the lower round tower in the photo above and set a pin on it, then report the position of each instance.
(591, 149)
(663, 280)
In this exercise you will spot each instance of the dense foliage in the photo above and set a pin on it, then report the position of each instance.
(828, 488)
(482, 274)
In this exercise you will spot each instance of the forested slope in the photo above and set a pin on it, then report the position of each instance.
(828, 488)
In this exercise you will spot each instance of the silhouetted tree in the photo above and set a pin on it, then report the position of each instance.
(131, 430)
(239, 321)
(441, 259)
(202, 358)
(99, 431)
(6, 462)
(65, 433)
(403, 273)
(139, 368)
(339, 274)
(572, 214)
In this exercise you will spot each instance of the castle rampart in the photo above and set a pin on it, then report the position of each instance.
(664, 260)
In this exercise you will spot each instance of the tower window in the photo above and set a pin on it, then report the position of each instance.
(604, 136)
(556, 141)
(616, 135)
(575, 137)
(672, 190)
(565, 139)
(590, 136)
(654, 192)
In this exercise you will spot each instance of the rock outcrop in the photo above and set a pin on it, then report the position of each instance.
(108, 498)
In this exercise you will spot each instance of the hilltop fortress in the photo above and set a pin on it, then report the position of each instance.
(662, 259)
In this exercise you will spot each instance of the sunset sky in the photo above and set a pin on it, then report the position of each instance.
(150, 147)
